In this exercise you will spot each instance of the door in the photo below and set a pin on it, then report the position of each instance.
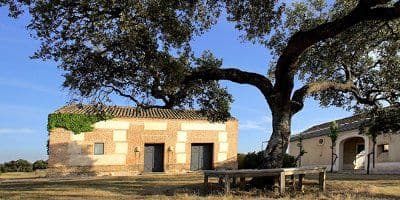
(154, 157)
(201, 157)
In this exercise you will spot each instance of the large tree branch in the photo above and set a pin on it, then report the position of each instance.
(299, 95)
(234, 75)
(230, 74)
(300, 41)
(131, 97)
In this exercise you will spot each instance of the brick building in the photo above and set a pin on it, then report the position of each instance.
(143, 140)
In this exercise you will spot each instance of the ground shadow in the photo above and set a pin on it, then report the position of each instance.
(162, 185)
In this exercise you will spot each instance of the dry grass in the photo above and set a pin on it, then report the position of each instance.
(187, 186)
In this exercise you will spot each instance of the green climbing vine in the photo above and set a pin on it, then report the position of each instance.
(76, 123)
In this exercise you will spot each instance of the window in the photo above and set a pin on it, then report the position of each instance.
(321, 141)
(98, 148)
(384, 148)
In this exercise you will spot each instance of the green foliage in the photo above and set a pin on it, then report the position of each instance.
(333, 132)
(386, 120)
(253, 160)
(2, 168)
(141, 50)
(40, 164)
(289, 161)
(16, 166)
(21, 165)
(76, 123)
(345, 52)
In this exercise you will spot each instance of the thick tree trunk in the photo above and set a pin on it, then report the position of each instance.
(373, 153)
(277, 146)
(332, 158)
(279, 140)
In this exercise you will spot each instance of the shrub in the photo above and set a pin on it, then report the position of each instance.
(253, 160)
(289, 161)
(24, 166)
(17, 166)
(2, 168)
(39, 164)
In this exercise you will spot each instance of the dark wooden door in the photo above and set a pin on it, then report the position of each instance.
(154, 157)
(201, 157)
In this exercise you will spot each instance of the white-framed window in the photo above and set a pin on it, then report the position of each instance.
(98, 148)
(383, 148)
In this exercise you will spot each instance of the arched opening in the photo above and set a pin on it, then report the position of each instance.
(352, 154)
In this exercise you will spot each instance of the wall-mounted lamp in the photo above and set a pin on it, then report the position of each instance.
(171, 148)
(137, 149)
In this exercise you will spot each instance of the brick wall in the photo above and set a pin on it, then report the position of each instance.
(124, 140)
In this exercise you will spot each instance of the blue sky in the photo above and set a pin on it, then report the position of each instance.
(31, 89)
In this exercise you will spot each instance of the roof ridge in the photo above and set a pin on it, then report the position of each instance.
(134, 112)
(344, 124)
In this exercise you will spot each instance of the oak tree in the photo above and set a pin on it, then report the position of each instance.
(345, 52)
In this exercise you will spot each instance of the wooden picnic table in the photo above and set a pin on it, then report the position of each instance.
(279, 175)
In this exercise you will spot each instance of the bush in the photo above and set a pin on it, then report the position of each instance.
(24, 166)
(17, 166)
(2, 168)
(289, 161)
(250, 160)
(39, 164)
(253, 160)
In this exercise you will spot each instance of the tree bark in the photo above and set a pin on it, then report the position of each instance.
(279, 140)
(332, 159)
(373, 153)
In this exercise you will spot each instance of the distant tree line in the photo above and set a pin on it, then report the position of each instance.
(21, 165)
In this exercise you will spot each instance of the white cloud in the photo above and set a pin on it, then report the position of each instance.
(16, 130)
(26, 85)
(261, 124)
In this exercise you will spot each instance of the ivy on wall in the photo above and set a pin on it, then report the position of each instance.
(76, 123)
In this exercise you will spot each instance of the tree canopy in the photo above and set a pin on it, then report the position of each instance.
(346, 52)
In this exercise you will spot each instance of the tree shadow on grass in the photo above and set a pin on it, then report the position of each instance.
(142, 186)
(153, 185)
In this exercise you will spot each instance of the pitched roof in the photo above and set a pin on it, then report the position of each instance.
(345, 124)
(125, 111)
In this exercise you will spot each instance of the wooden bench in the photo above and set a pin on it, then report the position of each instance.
(279, 175)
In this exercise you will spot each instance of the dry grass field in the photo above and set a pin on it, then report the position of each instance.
(188, 186)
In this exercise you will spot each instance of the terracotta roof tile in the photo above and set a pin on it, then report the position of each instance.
(125, 111)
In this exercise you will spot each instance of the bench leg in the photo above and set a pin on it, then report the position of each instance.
(276, 184)
(242, 182)
(301, 178)
(220, 180)
(227, 184)
(206, 184)
(322, 177)
(234, 182)
(282, 185)
(292, 177)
